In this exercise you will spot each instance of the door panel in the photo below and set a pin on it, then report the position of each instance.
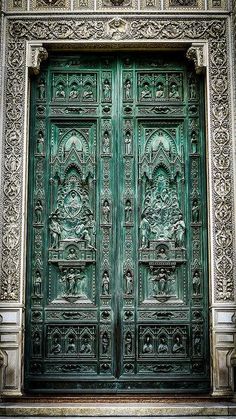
(117, 268)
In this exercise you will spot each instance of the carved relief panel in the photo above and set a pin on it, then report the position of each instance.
(117, 274)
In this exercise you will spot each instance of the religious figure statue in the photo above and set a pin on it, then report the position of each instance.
(36, 343)
(105, 284)
(41, 89)
(88, 92)
(40, 143)
(60, 92)
(128, 211)
(105, 342)
(71, 254)
(55, 230)
(174, 93)
(106, 90)
(145, 231)
(128, 143)
(38, 209)
(196, 283)
(73, 92)
(106, 211)
(106, 143)
(178, 346)
(195, 211)
(160, 282)
(86, 347)
(129, 282)
(159, 90)
(197, 344)
(162, 347)
(162, 253)
(71, 282)
(146, 92)
(179, 231)
(38, 284)
(192, 89)
(71, 348)
(128, 344)
(127, 90)
(56, 346)
(194, 142)
(147, 346)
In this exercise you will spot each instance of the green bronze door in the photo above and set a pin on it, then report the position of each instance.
(117, 238)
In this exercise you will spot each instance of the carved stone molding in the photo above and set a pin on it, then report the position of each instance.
(197, 54)
(36, 55)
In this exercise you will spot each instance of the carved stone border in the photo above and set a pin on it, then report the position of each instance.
(212, 34)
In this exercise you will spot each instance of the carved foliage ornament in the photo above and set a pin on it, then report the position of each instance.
(131, 29)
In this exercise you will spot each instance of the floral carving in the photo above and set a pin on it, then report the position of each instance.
(125, 29)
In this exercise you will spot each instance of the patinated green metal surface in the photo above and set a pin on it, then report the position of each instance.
(117, 243)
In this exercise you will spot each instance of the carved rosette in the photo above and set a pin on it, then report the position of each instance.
(127, 29)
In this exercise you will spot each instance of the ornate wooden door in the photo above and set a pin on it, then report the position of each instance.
(117, 242)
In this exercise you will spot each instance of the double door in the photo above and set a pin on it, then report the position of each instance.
(117, 244)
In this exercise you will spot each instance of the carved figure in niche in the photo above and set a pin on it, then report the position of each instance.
(71, 282)
(106, 143)
(37, 284)
(196, 283)
(128, 211)
(86, 347)
(162, 347)
(145, 232)
(128, 343)
(174, 93)
(178, 346)
(106, 211)
(38, 209)
(71, 254)
(160, 282)
(147, 346)
(128, 143)
(179, 231)
(127, 90)
(41, 87)
(197, 344)
(162, 253)
(40, 143)
(129, 282)
(55, 231)
(73, 92)
(60, 92)
(195, 211)
(56, 346)
(92, 227)
(160, 139)
(105, 343)
(71, 348)
(159, 90)
(88, 92)
(194, 142)
(106, 90)
(105, 283)
(36, 343)
(146, 92)
(73, 203)
(192, 89)
(83, 234)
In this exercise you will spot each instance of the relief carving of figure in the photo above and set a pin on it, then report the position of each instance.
(128, 211)
(160, 282)
(195, 212)
(105, 284)
(106, 211)
(147, 346)
(40, 143)
(145, 232)
(88, 92)
(56, 346)
(55, 230)
(106, 143)
(73, 92)
(41, 87)
(60, 92)
(38, 284)
(128, 143)
(174, 93)
(194, 142)
(38, 209)
(162, 347)
(105, 343)
(159, 90)
(196, 283)
(86, 347)
(106, 90)
(129, 282)
(71, 348)
(192, 89)
(127, 90)
(146, 92)
(178, 346)
(179, 231)
(128, 344)
(71, 254)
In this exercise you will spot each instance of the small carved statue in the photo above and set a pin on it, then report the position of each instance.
(192, 89)
(71, 348)
(128, 143)
(162, 253)
(194, 142)
(162, 347)
(197, 344)
(106, 90)
(105, 284)
(196, 283)
(128, 343)
(128, 211)
(160, 282)
(41, 87)
(55, 230)
(145, 232)
(40, 143)
(88, 92)
(73, 92)
(174, 93)
(195, 212)
(38, 211)
(106, 143)
(159, 90)
(127, 90)
(38, 284)
(36, 343)
(105, 343)
(146, 92)
(56, 346)
(129, 282)
(179, 231)
(106, 211)
(178, 346)
(71, 282)
(71, 253)
(86, 347)
(60, 92)
(147, 346)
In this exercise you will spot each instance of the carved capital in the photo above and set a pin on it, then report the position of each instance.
(37, 54)
(197, 54)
